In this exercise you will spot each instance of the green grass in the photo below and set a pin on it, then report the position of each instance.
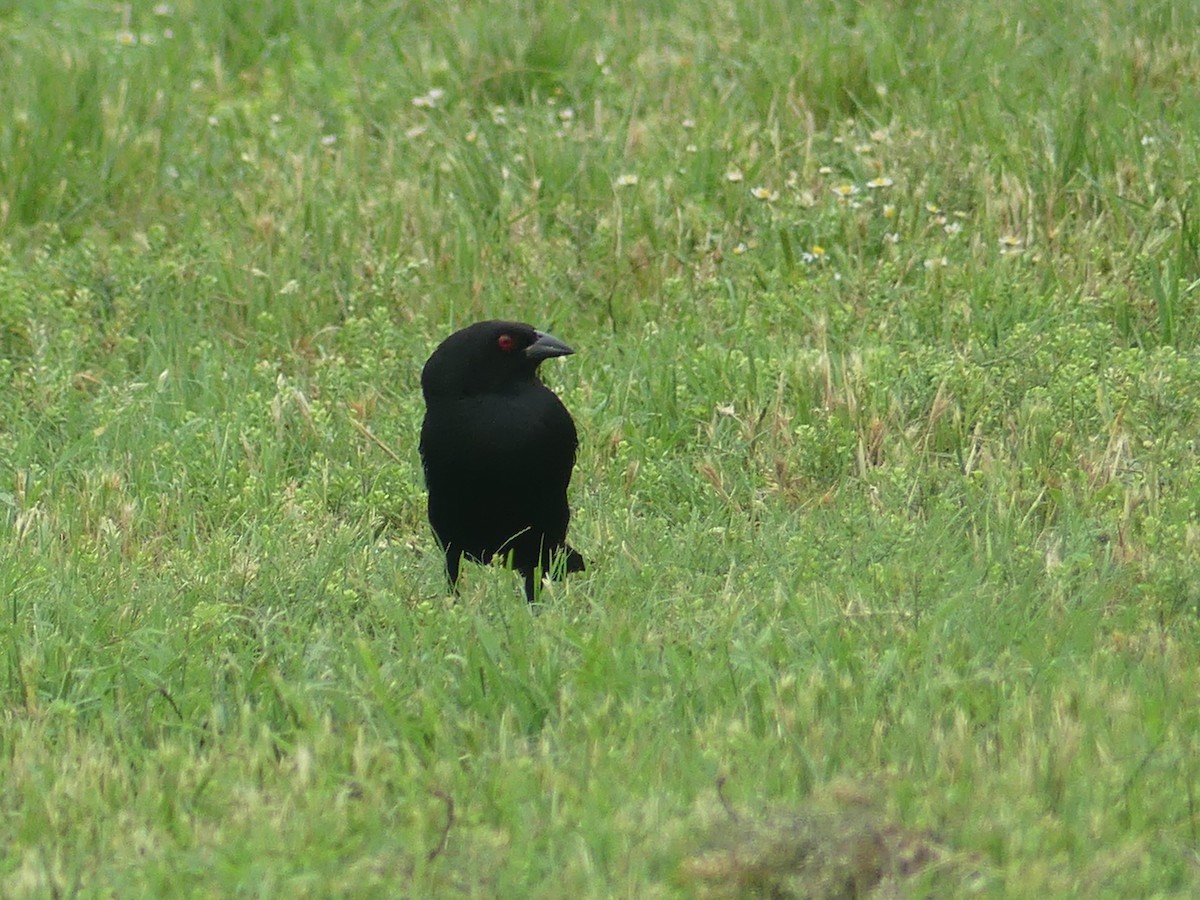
(888, 389)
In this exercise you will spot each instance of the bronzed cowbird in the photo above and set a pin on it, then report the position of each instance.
(498, 447)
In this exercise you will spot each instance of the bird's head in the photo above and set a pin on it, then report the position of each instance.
(488, 357)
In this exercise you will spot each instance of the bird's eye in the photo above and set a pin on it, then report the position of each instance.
(506, 343)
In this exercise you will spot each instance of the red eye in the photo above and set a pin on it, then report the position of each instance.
(506, 343)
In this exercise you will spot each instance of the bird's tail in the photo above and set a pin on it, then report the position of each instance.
(574, 559)
(565, 561)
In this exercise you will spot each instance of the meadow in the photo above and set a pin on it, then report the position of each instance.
(886, 317)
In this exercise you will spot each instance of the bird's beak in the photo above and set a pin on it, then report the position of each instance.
(545, 347)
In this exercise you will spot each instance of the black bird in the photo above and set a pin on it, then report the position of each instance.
(498, 447)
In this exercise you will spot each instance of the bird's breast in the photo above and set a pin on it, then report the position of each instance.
(479, 438)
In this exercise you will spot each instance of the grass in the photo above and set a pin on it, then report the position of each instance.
(887, 387)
